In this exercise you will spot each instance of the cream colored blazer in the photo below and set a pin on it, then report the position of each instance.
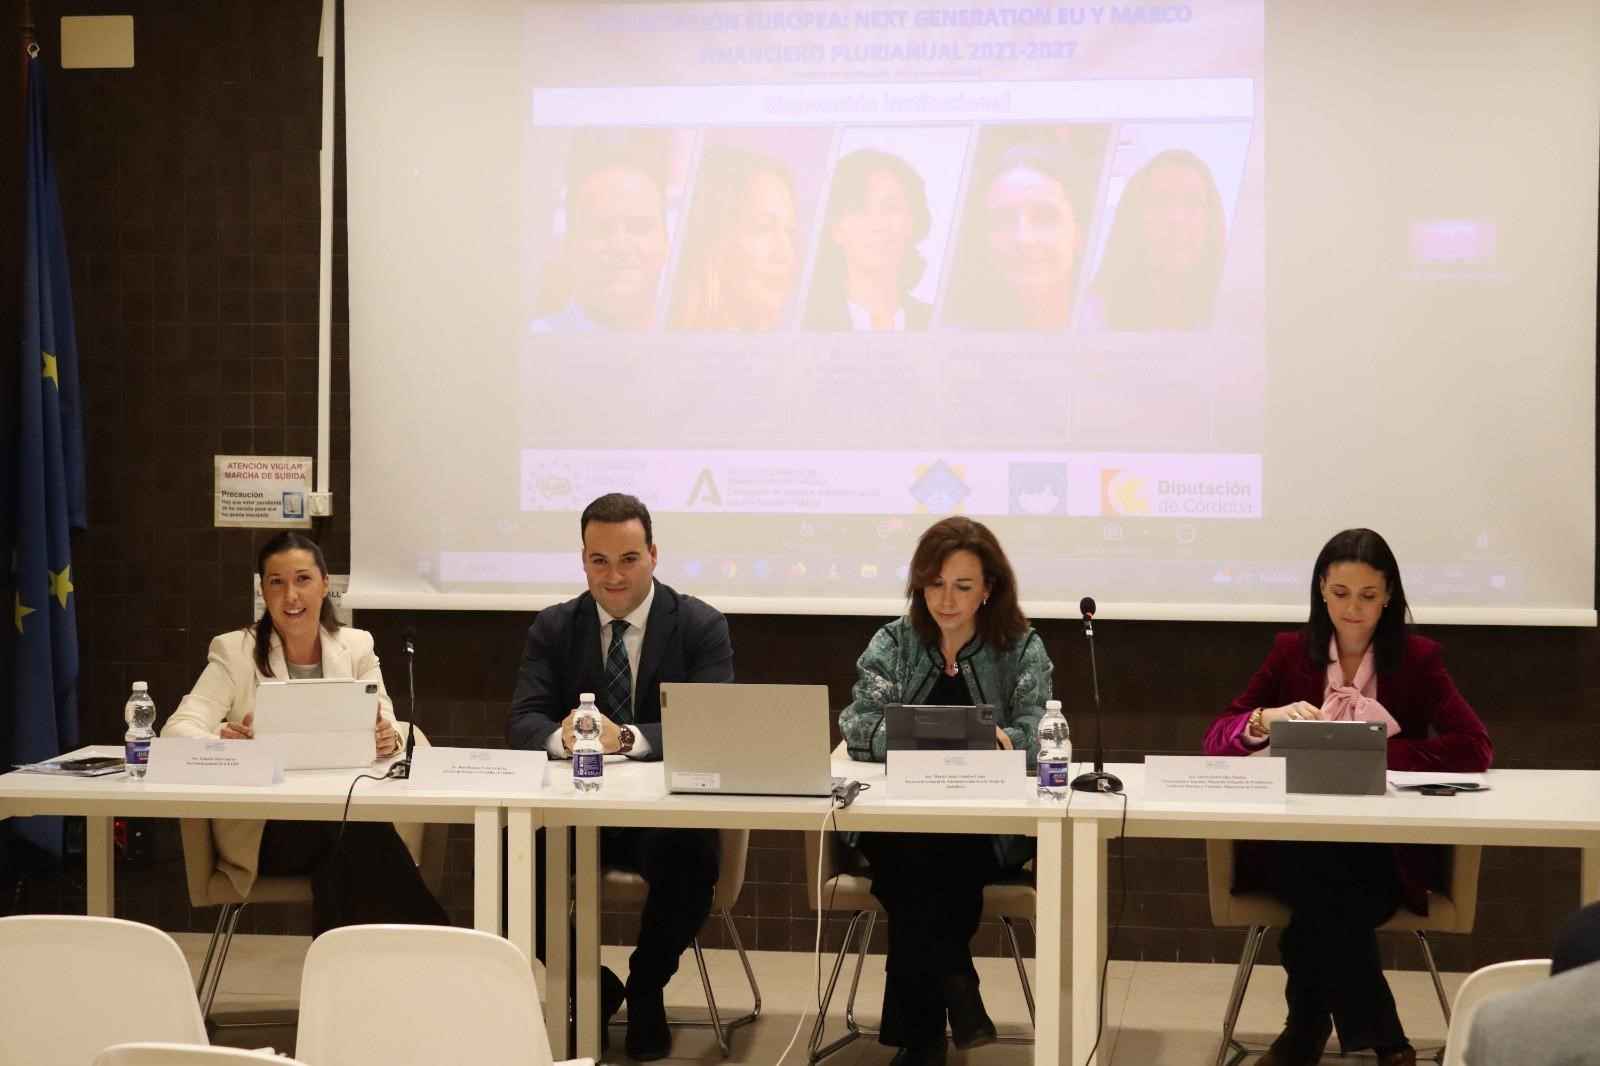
(226, 692)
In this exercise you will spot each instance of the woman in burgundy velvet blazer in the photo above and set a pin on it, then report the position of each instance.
(1355, 652)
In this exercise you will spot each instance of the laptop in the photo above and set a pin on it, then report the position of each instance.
(746, 740)
(319, 724)
(1338, 758)
(918, 727)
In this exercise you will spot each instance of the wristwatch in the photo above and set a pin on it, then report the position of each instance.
(625, 739)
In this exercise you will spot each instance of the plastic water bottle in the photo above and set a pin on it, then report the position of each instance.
(588, 756)
(140, 714)
(1055, 752)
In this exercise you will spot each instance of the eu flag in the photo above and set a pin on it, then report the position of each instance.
(49, 477)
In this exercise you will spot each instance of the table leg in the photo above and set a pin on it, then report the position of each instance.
(486, 858)
(1589, 876)
(588, 941)
(1052, 1040)
(520, 918)
(557, 936)
(1088, 935)
(100, 867)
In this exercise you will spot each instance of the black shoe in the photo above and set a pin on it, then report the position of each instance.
(612, 994)
(970, 1026)
(649, 1036)
(926, 1055)
(1300, 1044)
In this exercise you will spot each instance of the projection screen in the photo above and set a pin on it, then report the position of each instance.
(1165, 294)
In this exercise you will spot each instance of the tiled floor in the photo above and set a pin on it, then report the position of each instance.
(1157, 1014)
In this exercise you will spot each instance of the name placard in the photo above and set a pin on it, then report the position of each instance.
(1206, 779)
(209, 761)
(477, 769)
(958, 775)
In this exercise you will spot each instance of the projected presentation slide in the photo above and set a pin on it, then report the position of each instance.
(1166, 294)
(905, 261)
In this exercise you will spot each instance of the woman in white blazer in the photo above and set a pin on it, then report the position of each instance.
(364, 874)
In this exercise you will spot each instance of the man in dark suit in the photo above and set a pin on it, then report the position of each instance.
(620, 640)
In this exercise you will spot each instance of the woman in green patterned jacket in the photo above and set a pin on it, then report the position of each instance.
(962, 641)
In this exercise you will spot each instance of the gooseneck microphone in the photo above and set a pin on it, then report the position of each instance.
(1097, 780)
(402, 769)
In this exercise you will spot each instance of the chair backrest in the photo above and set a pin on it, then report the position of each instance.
(146, 1054)
(76, 985)
(413, 995)
(1480, 986)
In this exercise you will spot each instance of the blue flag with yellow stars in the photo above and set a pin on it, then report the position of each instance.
(49, 478)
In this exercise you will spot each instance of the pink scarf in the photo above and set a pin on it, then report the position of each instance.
(1354, 701)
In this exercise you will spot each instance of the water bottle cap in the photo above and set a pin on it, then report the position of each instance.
(140, 686)
(1052, 705)
(586, 697)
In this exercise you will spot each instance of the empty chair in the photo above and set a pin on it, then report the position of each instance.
(1479, 986)
(76, 985)
(1453, 911)
(630, 887)
(186, 1055)
(418, 995)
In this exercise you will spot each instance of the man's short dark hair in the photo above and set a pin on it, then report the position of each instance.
(615, 508)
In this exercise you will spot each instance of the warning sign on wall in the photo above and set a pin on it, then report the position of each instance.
(262, 491)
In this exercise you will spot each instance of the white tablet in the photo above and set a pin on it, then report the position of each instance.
(319, 724)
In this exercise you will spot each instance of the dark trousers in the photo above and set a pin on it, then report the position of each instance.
(680, 866)
(931, 887)
(365, 878)
(1339, 894)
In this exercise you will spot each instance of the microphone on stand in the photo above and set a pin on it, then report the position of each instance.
(1097, 780)
(402, 769)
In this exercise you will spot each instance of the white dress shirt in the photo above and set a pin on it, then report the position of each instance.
(861, 319)
(633, 644)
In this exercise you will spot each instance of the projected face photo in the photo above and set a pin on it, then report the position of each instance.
(955, 594)
(740, 257)
(1176, 224)
(1163, 258)
(759, 255)
(1032, 232)
(1355, 594)
(876, 234)
(618, 565)
(617, 246)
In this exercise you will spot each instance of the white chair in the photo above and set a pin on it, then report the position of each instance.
(210, 887)
(418, 995)
(1481, 985)
(851, 892)
(186, 1055)
(1453, 911)
(76, 985)
(628, 887)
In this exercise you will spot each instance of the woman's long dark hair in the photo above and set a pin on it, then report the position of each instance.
(287, 541)
(1126, 281)
(1000, 621)
(1389, 639)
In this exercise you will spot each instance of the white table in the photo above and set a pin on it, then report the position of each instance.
(1524, 808)
(635, 794)
(307, 795)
